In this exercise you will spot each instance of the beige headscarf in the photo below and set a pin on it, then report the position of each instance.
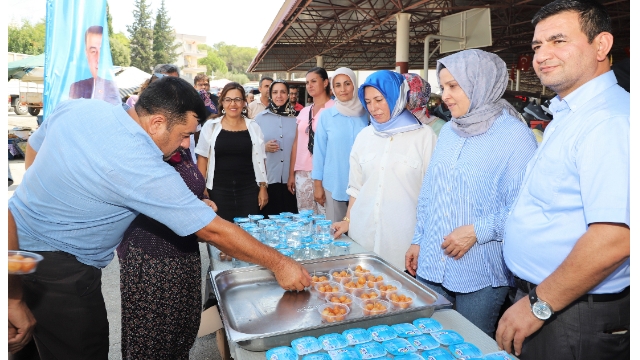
(352, 107)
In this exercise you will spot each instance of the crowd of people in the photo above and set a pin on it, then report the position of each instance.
(472, 207)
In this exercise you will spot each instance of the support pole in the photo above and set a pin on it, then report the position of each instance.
(402, 42)
(518, 80)
(427, 55)
(319, 61)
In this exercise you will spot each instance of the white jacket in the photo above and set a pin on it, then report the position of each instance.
(207, 141)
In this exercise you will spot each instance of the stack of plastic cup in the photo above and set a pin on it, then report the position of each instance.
(256, 232)
(306, 212)
(341, 248)
(287, 215)
(266, 222)
(255, 218)
(284, 250)
(280, 224)
(274, 217)
(315, 218)
(323, 231)
(271, 236)
(241, 220)
(247, 225)
(293, 234)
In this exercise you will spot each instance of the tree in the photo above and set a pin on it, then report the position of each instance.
(27, 38)
(212, 61)
(119, 44)
(237, 58)
(164, 49)
(120, 51)
(141, 34)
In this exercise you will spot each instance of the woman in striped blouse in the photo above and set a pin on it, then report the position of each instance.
(473, 178)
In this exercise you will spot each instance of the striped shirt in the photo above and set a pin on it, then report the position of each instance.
(471, 180)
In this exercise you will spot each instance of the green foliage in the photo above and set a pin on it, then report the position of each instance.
(120, 51)
(27, 38)
(109, 21)
(119, 44)
(240, 78)
(164, 49)
(141, 35)
(212, 61)
(237, 58)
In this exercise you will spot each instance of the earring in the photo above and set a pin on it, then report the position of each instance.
(223, 112)
(245, 112)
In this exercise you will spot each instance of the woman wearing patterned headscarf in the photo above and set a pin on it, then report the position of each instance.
(278, 124)
(336, 131)
(473, 179)
(419, 94)
(387, 163)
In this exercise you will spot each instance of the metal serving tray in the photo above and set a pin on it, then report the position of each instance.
(259, 315)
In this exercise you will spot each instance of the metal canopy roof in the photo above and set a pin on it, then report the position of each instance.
(361, 34)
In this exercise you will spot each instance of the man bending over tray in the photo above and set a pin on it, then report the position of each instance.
(84, 185)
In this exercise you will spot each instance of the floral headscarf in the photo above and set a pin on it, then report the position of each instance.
(286, 109)
(208, 104)
(419, 93)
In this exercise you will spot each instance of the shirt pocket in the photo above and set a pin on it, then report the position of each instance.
(544, 181)
(404, 160)
(366, 158)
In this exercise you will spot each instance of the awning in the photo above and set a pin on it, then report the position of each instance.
(31, 67)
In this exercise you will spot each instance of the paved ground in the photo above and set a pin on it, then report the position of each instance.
(203, 349)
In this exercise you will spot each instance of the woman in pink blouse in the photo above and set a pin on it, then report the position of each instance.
(300, 182)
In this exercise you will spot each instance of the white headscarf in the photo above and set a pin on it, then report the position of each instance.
(352, 107)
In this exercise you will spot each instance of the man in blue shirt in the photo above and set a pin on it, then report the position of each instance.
(90, 178)
(567, 239)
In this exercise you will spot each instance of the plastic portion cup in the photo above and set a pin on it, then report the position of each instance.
(340, 273)
(340, 298)
(374, 307)
(351, 284)
(401, 299)
(366, 294)
(23, 262)
(359, 270)
(388, 287)
(327, 288)
(320, 277)
(333, 312)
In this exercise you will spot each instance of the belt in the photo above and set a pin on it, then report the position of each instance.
(526, 287)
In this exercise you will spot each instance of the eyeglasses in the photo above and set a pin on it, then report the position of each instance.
(234, 100)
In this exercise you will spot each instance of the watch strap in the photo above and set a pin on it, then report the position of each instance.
(533, 296)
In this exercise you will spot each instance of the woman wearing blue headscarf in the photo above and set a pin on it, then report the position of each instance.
(388, 161)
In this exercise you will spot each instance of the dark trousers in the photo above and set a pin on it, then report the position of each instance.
(235, 199)
(280, 200)
(583, 330)
(65, 297)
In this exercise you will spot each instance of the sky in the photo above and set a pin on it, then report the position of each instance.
(240, 22)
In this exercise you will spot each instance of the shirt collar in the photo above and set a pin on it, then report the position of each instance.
(584, 93)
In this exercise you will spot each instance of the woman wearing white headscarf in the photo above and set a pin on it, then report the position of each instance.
(387, 164)
(474, 177)
(335, 133)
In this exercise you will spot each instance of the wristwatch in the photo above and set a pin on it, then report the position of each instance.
(540, 309)
(263, 184)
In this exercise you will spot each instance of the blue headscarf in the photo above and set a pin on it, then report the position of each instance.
(394, 88)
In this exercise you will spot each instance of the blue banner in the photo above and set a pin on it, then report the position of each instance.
(77, 53)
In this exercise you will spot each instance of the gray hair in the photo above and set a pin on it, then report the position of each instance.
(166, 69)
